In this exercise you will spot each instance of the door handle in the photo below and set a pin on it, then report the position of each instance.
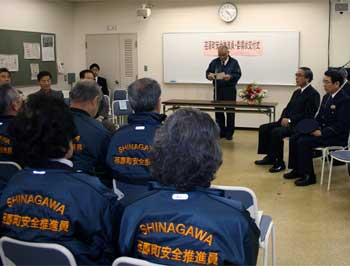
(116, 82)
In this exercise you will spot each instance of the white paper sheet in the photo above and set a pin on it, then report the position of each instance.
(34, 71)
(10, 61)
(31, 50)
(48, 47)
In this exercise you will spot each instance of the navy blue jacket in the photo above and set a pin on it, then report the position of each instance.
(53, 93)
(128, 150)
(5, 139)
(333, 116)
(168, 227)
(232, 68)
(56, 205)
(90, 146)
(346, 88)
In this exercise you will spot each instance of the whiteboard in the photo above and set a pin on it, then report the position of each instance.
(274, 60)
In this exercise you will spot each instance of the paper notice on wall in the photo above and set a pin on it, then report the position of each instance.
(34, 71)
(31, 50)
(10, 61)
(48, 47)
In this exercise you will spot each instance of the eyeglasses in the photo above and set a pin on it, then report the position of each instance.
(299, 75)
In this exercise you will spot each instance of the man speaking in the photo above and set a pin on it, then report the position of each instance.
(225, 87)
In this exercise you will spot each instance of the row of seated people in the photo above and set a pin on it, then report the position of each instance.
(309, 125)
(177, 220)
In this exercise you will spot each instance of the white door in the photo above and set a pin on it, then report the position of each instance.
(116, 54)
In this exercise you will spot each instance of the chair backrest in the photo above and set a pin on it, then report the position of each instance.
(119, 95)
(246, 196)
(127, 261)
(16, 252)
(118, 111)
(8, 169)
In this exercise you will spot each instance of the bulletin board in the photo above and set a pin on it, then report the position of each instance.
(23, 47)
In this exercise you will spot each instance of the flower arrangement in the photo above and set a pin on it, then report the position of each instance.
(252, 93)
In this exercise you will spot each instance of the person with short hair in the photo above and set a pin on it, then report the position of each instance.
(5, 76)
(332, 129)
(128, 151)
(44, 81)
(10, 104)
(345, 86)
(181, 215)
(86, 74)
(95, 68)
(225, 88)
(90, 146)
(303, 104)
(103, 110)
(49, 202)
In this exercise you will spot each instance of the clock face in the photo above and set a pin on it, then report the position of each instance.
(228, 12)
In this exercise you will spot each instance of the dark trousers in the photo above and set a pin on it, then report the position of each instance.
(300, 151)
(229, 94)
(271, 139)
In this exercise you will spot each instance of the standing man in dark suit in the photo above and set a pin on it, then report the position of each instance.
(334, 123)
(44, 81)
(95, 68)
(225, 88)
(346, 84)
(303, 104)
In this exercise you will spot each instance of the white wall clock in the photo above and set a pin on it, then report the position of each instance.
(228, 12)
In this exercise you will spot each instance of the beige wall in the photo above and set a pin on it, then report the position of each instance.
(308, 17)
(42, 16)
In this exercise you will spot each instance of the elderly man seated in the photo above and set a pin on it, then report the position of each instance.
(182, 221)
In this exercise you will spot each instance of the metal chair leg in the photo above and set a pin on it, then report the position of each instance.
(330, 174)
(323, 163)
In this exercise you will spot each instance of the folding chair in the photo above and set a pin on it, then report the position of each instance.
(325, 152)
(119, 95)
(121, 109)
(340, 155)
(16, 252)
(264, 222)
(127, 261)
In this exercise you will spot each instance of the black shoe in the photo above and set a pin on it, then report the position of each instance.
(277, 167)
(267, 160)
(306, 181)
(291, 175)
(229, 137)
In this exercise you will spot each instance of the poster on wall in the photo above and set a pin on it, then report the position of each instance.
(31, 50)
(10, 61)
(34, 71)
(48, 47)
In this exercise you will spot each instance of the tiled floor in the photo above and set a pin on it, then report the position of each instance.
(312, 225)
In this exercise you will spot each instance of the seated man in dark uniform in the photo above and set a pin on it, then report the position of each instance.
(334, 123)
(303, 104)
(128, 150)
(182, 221)
(44, 81)
(10, 104)
(345, 86)
(47, 201)
(90, 146)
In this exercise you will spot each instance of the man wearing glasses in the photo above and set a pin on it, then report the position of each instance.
(303, 104)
